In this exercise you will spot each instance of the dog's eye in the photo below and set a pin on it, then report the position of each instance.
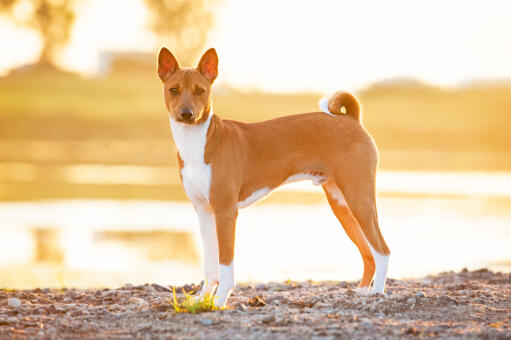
(173, 90)
(198, 91)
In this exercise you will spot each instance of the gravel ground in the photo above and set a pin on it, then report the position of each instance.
(468, 304)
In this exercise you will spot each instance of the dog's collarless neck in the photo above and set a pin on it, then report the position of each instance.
(191, 140)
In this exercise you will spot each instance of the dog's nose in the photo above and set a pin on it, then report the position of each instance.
(186, 114)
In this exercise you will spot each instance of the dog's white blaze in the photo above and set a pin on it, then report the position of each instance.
(210, 245)
(336, 194)
(191, 142)
(382, 264)
(226, 284)
(254, 197)
(323, 106)
(316, 180)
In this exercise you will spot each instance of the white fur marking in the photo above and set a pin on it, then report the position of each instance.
(382, 265)
(316, 180)
(226, 285)
(210, 245)
(336, 194)
(254, 197)
(191, 142)
(323, 106)
(263, 192)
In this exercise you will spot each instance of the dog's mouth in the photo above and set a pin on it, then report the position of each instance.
(185, 120)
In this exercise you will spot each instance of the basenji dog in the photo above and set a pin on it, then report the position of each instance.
(226, 165)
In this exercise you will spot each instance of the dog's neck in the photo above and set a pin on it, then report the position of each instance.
(191, 139)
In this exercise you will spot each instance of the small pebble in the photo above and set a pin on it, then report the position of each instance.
(141, 327)
(366, 321)
(137, 300)
(161, 288)
(268, 319)
(411, 301)
(323, 305)
(206, 321)
(13, 302)
(420, 294)
(109, 292)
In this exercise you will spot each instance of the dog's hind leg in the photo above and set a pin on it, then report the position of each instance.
(360, 194)
(350, 225)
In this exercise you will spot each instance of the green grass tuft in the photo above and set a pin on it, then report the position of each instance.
(193, 305)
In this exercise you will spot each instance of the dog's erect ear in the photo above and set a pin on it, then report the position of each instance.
(167, 64)
(208, 65)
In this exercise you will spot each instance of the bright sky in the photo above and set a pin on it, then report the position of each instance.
(321, 45)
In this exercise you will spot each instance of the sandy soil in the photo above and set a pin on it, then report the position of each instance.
(468, 304)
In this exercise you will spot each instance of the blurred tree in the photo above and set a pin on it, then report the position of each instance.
(181, 25)
(52, 19)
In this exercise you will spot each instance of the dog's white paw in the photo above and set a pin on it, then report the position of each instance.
(208, 288)
(377, 291)
(222, 295)
(362, 290)
(220, 301)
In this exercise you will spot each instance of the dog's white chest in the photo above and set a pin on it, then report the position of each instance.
(196, 174)
(196, 182)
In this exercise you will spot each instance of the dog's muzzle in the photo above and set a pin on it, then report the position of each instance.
(186, 115)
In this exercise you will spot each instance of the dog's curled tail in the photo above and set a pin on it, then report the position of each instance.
(341, 103)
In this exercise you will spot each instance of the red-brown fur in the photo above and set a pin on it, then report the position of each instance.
(340, 100)
(246, 157)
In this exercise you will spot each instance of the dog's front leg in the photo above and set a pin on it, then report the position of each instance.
(210, 245)
(226, 224)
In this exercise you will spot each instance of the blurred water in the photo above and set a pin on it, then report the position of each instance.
(107, 243)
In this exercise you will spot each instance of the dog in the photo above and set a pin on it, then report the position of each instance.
(226, 165)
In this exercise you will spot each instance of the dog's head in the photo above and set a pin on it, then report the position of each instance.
(187, 92)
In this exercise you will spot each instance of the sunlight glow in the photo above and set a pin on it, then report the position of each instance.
(19, 45)
(106, 26)
(288, 46)
(326, 45)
